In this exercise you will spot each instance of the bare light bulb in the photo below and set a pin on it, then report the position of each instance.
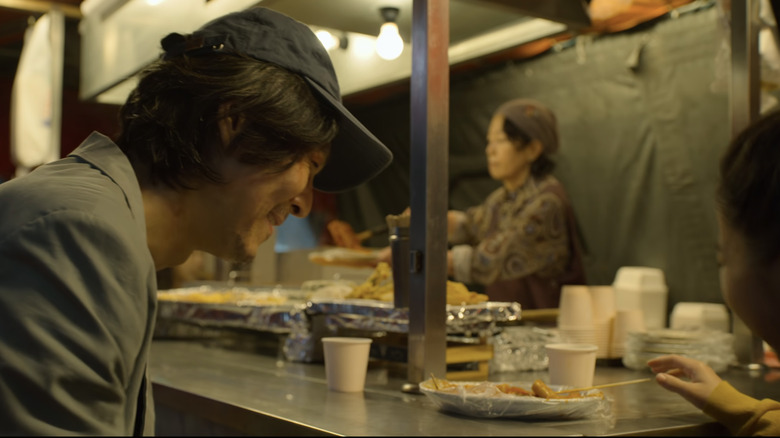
(327, 39)
(389, 43)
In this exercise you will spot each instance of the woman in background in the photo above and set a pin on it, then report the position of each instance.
(749, 255)
(521, 243)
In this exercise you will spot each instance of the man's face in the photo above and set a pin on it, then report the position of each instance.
(238, 216)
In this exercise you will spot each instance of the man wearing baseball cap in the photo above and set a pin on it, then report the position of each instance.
(227, 134)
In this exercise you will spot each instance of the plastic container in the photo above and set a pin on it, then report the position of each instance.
(644, 288)
(700, 316)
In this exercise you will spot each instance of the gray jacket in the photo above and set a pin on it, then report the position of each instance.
(77, 298)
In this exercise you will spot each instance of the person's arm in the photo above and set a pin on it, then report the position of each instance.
(72, 324)
(534, 241)
(696, 382)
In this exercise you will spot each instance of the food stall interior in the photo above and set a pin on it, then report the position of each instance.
(646, 100)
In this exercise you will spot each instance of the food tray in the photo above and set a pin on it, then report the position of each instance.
(274, 310)
(375, 315)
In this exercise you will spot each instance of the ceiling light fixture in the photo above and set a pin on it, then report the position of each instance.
(389, 43)
(331, 41)
(327, 39)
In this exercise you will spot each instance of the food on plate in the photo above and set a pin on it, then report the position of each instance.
(538, 389)
(509, 389)
(358, 258)
(379, 286)
(458, 293)
(343, 235)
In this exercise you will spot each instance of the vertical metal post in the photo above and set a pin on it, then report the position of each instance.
(744, 98)
(427, 343)
(745, 72)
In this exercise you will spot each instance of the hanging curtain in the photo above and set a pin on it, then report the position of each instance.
(36, 96)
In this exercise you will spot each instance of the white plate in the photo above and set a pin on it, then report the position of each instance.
(484, 400)
(345, 257)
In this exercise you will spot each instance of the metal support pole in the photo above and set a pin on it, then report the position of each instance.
(745, 69)
(427, 343)
(744, 98)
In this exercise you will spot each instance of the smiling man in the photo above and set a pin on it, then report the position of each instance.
(224, 137)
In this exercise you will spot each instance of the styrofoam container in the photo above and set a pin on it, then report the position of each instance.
(644, 288)
(699, 316)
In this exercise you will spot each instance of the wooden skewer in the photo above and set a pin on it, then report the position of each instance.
(363, 235)
(607, 385)
(435, 385)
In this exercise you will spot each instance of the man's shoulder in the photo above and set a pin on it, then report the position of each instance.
(68, 185)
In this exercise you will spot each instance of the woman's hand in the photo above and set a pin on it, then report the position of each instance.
(700, 379)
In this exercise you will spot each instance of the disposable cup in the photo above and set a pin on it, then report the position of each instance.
(575, 309)
(572, 365)
(346, 362)
(603, 299)
(626, 321)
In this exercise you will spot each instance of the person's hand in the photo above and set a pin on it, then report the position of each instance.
(385, 255)
(700, 379)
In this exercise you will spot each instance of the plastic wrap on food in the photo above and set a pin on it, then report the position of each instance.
(497, 400)
(374, 315)
(521, 348)
(272, 310)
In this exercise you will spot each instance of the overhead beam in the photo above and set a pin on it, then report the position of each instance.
(41, 7)
(573, 13)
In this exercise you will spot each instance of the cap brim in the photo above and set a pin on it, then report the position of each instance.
(356, 155)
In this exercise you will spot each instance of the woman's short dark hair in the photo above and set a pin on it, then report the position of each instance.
(749, 187)
(168, 126)
(544, 165)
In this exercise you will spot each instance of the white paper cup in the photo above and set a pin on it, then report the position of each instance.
(346, 362)
(603, 300)
(572, 364)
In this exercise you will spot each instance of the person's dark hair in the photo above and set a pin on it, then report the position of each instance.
(749, 188)
(168, 126)
(544, 165)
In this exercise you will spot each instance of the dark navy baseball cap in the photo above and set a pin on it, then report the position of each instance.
(356, 154)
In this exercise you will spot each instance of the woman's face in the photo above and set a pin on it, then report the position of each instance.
(506, 162)
(750, 289)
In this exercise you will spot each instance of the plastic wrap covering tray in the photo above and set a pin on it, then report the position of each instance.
(331, 317)
(372, 315)
(284, 308)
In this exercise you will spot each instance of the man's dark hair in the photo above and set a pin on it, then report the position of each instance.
(749, 187)
(168, 126)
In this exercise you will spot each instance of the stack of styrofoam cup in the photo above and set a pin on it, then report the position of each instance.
(603, 302)
(575, 315)
(626, 321)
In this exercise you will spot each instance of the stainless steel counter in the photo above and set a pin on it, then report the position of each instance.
(207, 390)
